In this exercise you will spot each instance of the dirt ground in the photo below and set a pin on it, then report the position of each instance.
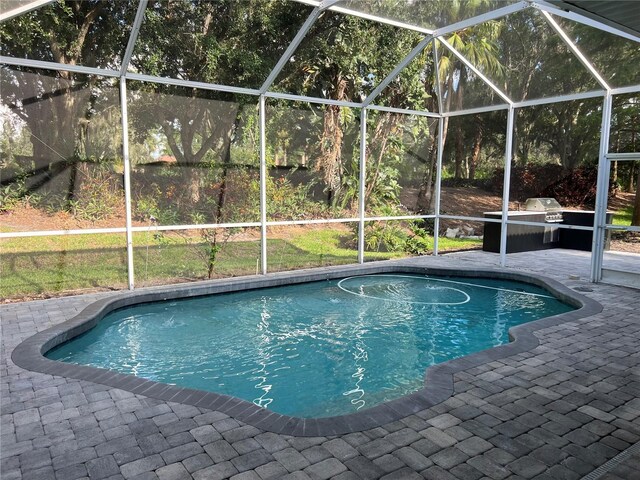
(461, 201)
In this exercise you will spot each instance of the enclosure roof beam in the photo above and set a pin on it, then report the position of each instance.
(625, 90)
(405, 111)
(485, 17)
(326, 4)
(318, 100)
(191, 84)
(561, 98)
(26, 62)
(480, 75)
(133, 37)
(576, 17)
(576, 51)
(368, 16)
(474, 111)
(295, 43)
(14, 12)
(396, 71)
(436, 65)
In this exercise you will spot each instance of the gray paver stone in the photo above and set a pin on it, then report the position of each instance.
(403, 474)
(438, 437)
(220, 451)
(291, 459)
(102, 467)
(316, 454)
(403, 437)
(35, 459)
(178, 454)
(466, 472)
(245, 446)
(488, 467)
(388, 463)
(271, 471)
(205, 434)
(413, 458)
(142, 465)
(250, 475)
(271, 442)
(175, 471)
(437, 473)
(197, 462)
(527, 467)
(71, 458)
(449, 457)
(219, 471)
(252, 460)
(340, 449)
(325, 469)
(376, 448)
(128, 455)
(72, 472)
(474, 446)
(151, 444)
(364, 467)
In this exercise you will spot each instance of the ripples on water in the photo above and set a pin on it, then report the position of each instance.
(318, 349)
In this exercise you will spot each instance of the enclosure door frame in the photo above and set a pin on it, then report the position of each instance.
(613, 275)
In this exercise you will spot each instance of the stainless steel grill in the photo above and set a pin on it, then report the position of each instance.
(551, 207)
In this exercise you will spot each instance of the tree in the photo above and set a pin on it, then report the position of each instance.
(59, 108)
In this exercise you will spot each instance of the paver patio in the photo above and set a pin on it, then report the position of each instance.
(567, 409)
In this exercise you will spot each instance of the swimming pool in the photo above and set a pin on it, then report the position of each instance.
(316, 349)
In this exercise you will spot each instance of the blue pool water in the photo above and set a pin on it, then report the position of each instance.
(315, 349)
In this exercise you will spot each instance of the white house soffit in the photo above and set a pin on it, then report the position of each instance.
(12, 9)
(576, 17)
(480, 75)
(576, 51)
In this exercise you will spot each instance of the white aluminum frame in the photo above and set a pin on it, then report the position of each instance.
(14, 12)
(508, 155)
(263, 93)
(127, 179)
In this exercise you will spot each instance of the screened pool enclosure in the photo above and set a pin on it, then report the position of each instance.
(149, 142)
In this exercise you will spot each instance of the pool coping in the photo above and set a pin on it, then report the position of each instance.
(438, 379)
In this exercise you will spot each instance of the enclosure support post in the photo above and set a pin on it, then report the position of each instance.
(263, 185)
(127, 179)
(602, 192)
(508, 154)
(361, 183)
(436, 209)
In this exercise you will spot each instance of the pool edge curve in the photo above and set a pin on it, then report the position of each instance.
(438, 379)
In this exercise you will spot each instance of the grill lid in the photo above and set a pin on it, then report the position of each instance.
(542, 204)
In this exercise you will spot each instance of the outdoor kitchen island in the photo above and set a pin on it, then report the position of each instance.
(524, 238)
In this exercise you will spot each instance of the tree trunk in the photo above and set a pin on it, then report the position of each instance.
(475, 152)
(459, 151)
(635, 217)
(330, 161)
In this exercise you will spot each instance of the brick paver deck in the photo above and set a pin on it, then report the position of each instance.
(559, 411)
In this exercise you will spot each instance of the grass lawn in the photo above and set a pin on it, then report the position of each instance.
(623, 217)
(49, 265)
